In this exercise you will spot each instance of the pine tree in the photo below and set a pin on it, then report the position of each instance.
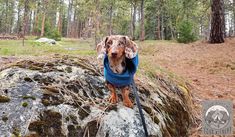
(217, 22)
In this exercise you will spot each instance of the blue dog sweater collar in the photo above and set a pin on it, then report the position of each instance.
(126, 77)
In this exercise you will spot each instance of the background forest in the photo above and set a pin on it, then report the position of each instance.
(184, 20)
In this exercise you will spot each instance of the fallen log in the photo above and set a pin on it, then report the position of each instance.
(8, 37)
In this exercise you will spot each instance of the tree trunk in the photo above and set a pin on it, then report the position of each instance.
(217, 22)
(162, 27)
(35, 23)
(208, 29)
(142, 33)
(12, 17)
(69, 18)
(233, 17)
(74, 25)
(110, 19)
(131, 27)
(18, 28)
(36, 26)
(133, 20)
(59, 23)
(97, 22)
(26, 9)
(223, 18)
(45, 2)
(158, 27)
(43, 24)
(29, 28)
(6, 17)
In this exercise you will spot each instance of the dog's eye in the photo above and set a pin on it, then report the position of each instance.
(110, 42)
(120, 44)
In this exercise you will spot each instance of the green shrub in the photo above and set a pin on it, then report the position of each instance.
(185, 31)
(49, 31)
(53, 34)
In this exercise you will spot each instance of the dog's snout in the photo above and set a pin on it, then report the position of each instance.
(114, 54)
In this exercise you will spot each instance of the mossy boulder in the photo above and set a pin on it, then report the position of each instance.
(67, 97)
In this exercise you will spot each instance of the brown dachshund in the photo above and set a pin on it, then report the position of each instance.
(118, 50)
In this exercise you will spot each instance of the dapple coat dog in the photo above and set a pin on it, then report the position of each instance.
(120, 64)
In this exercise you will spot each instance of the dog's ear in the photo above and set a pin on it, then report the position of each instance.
(131, 47)
(105, 43)
(101, 48)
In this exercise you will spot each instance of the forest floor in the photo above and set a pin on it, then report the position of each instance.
(208, 69)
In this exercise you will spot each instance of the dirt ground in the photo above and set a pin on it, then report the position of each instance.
(209, 69)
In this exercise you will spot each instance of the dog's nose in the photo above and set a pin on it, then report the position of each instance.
(114, 54)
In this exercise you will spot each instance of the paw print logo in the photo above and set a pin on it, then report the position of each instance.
(217, 117)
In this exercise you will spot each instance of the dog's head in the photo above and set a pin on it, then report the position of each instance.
(117, 46)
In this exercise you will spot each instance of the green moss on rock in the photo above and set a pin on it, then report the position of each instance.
(68, 69)
(29, 97)
(25, 104)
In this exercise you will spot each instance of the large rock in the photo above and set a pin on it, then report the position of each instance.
(67, 97)
(46, 40)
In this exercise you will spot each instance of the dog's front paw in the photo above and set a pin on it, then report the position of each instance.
(113, 99)
(130, 53)
(128, 103)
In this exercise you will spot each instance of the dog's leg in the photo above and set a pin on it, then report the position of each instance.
(125, 95)
(113, 97)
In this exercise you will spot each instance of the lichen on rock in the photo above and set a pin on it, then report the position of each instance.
(67, 97)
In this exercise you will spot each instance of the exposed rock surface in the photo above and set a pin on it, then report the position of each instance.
(66, 97)
(46, 40)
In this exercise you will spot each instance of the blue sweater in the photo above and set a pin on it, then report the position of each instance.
(126, 77)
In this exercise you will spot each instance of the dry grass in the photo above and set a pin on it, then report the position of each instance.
(66, 46)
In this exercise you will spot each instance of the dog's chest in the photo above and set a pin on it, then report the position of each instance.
(120, 68)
